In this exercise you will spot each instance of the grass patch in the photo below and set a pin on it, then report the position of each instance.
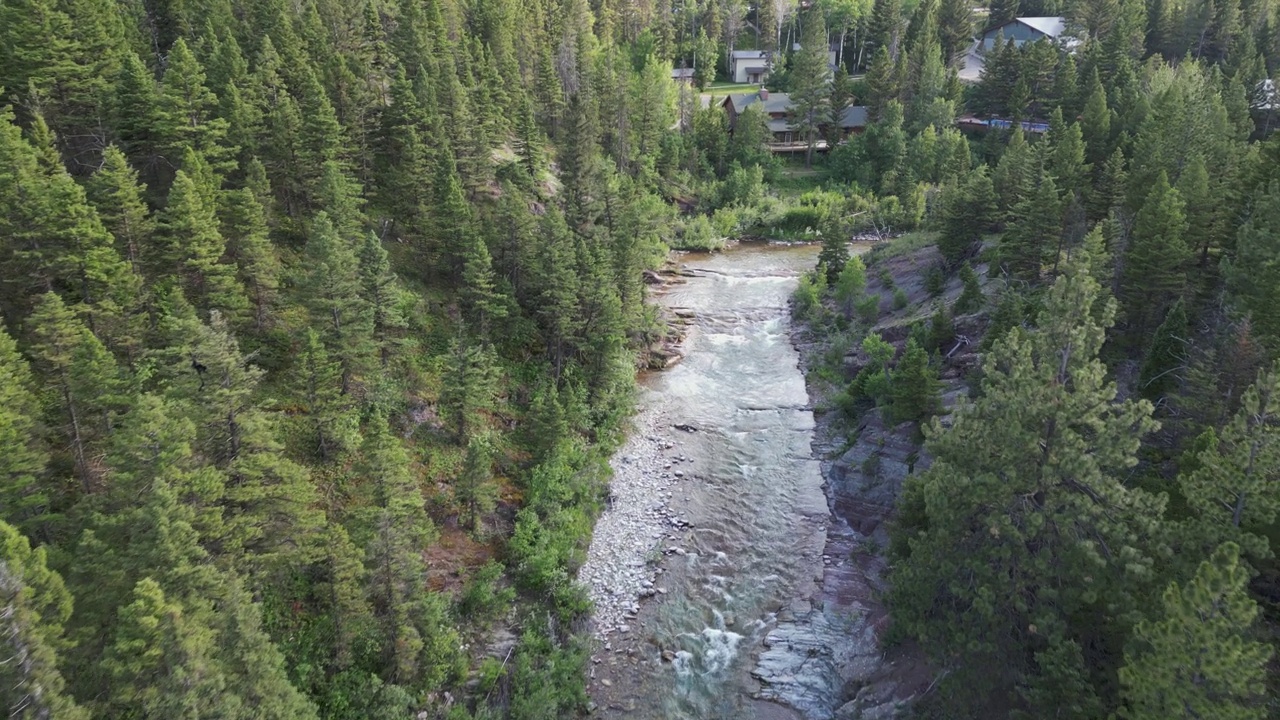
(902, 245)
(792, 178)
(720, 89)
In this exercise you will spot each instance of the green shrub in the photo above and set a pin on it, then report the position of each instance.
(971, 299)
(868, 308)
(899, 299)
(743, 186)
(935, 281)
(808, 294)
(482, 600)
(698, 234)
(852, 281)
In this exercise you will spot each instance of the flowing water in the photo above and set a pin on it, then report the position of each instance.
(754, 498)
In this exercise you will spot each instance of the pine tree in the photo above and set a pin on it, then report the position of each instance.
(255, 667)
(482, 302)
(1197, 659)
(135, 113)
(885, 30)
(187, 114)
(470, 387)
(1233, 493)
(23, 496)
(968, 210)
(971, 298)
(34, 608)
(1202, 208)
(1167, 358)
(1039, 458)
(1034, 235)
(381, 292)
(393, 554)
(834, 256)
(318, 385)
(1067, 156)
(1253, 276)
(249, 248)
(913, 386)
(1095, 123)
(1108, 191)
(331, 289)
(120, 201)
(556, 289)
(475, 489)
(160, 660)
(55, 240)
(194, 247)
(81, 375)
(1155, 263)
(810, 85)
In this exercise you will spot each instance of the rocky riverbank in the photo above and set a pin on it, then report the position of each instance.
(641, 523)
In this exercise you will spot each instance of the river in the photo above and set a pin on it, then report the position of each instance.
(719, 512)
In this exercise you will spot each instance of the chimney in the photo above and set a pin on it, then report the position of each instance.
(764, 93)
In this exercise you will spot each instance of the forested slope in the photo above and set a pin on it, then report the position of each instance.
(313, 314)
(1095, 533)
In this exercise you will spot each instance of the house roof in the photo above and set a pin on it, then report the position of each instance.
(973, 62)
(747, 55)
(854, 116)
(776, 103)
(681, 73)
(1049, 26)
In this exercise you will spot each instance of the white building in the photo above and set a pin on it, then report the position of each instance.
(749, 66)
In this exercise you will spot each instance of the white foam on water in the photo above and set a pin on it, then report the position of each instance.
(721, 647)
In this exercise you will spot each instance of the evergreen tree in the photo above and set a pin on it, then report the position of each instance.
(34, 607)
(913, 386)
(481, 299)
(331, 289)
(160, 660)
(470, 388)
(135, 113)
(187, 110)
(380, 291)
(81, 375)
(1154, 273)
(971, 298)
(834, 256)
(396, 575)
(318, 384)
(1253, 276)
(1167, 358)
(475, 489)
(1197, 659)
(24, 497)
(248, 246)
(1233, 493)
(991, 566)
(810, 85)
(968, 210)
(194, 247)
(1034, 235)
(120, 201)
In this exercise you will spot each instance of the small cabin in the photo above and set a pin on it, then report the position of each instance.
(682, 75)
